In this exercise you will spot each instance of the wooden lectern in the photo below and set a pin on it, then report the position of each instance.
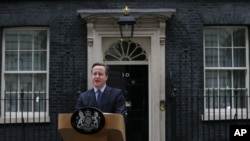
(113, 130)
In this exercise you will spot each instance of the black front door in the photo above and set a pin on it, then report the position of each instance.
(133, 79)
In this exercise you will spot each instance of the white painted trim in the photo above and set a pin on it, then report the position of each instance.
(35, 116)
(152, 26)
(225, 114)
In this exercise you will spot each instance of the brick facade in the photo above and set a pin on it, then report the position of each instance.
(68, 44)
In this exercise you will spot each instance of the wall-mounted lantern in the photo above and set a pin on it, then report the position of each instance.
(126, 24)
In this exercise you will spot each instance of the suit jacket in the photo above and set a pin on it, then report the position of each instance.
(112, 100)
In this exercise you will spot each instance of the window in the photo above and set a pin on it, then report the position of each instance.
(25, 74)
(125, 51)
(226, 73)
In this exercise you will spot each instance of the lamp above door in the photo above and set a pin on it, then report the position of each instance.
(126, 24)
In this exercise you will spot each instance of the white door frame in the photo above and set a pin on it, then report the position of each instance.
(150, 23)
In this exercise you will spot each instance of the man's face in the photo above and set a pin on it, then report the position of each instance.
(99, 76)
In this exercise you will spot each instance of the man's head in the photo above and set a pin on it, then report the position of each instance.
(99, 74)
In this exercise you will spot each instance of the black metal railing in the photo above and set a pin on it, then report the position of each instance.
(206, 117)
(196, 117)
(25, 116)
(195, 113)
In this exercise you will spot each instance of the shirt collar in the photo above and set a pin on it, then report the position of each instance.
(102, 89)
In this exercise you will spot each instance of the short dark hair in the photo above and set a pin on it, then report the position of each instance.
(101, 64)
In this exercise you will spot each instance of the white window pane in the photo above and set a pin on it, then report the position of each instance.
(26, 102)
(225, 98)
(11, 60)
(211, 79)
(11, 92)
(211, 57)
(232, 90)
(11, 99)
(25, 60)
(240, 99)
(11, 82)
(40, 82)
(26, 40)
(26, 82)
(211, 38)
(211, 98)
(39, 102)
(239, 37)
(225, 79)
(239, 79)
(40, 58)
(25, 50)
(40, 40)
(225, 57)
(240, 57)
(11, 41)
(225, 37)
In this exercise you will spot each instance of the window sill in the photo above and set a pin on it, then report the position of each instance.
(223, 116)
(12, 120)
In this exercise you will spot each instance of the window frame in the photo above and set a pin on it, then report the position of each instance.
(226, 113)
(24, 116)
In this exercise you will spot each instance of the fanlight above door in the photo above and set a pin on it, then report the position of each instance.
(125, 51)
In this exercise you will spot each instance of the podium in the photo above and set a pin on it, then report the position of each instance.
(113, 130)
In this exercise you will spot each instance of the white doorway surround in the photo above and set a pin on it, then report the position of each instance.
(150, 25)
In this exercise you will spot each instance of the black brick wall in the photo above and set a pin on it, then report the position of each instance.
(68, 45)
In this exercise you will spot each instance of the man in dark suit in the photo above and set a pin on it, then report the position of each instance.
(101, 96)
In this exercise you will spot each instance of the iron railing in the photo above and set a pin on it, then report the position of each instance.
(25, 116)
(200, 117)
(188, 118)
